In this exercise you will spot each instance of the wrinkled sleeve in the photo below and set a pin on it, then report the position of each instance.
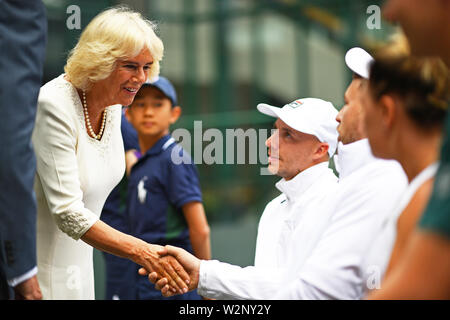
(336, 269)
(219, 280)
(54, 142)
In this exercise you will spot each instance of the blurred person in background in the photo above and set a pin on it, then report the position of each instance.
(117, 269)
(423, 272)
(404, 111)
(164, 199)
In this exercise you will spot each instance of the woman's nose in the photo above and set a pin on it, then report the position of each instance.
(141, 75)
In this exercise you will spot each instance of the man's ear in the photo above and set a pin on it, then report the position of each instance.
(176, 113)
(322, 150)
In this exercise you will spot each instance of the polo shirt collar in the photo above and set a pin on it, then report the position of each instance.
(301, 182)
(350, 157)
(160, 145)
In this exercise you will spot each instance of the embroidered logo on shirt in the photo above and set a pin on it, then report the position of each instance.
(142, 192)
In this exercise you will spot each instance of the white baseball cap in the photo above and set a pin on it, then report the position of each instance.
(359, 61)
(308, 115)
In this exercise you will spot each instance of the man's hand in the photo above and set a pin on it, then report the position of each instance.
(28, 290)
(189, 262)
(164, 267)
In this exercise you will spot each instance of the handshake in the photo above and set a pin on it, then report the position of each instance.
(173, 271)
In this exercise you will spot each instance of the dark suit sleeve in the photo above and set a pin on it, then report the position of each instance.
(23, 34)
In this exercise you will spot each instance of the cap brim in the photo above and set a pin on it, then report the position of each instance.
(359, 61)
(268, 109)
(276, 112)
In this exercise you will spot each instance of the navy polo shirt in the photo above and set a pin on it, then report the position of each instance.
(158, 187)
(113, 212)
(120, 272)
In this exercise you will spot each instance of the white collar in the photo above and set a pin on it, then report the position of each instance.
(350, 157)
(302, 181)
(415, 184)
(424, 175)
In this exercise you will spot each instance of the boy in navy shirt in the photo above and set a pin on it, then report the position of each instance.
(164, 201)
(119, 284)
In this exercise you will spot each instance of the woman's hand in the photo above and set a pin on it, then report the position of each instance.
(163, 267)
(189, 262)
(105, 238)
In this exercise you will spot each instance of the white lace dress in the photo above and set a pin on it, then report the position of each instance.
(75, 174)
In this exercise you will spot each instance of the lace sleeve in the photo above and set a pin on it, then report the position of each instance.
(74, 224)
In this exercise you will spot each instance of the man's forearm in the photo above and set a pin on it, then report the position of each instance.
(219, 280)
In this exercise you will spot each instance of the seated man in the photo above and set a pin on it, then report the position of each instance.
(299, 151)
(327, 252)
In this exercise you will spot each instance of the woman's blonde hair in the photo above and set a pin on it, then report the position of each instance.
(117, 33)
(422, 83)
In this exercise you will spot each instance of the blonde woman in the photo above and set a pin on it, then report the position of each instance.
(405, 105)
(80, 155)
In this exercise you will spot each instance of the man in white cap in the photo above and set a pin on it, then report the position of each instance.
(299, 151)
(351, 256)
(348, 253)
(335, 253)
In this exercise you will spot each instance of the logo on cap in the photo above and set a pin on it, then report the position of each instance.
(295, 104)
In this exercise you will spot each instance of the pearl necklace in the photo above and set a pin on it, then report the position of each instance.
(88, 121)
